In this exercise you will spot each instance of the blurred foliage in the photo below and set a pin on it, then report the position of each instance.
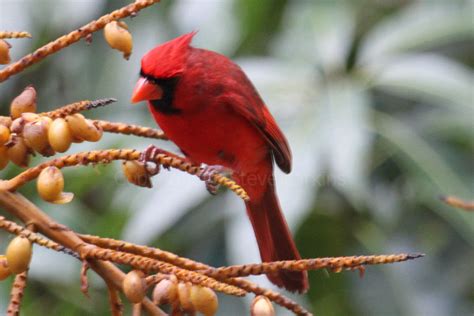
(376, 99)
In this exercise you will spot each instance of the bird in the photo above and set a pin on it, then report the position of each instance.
(208, 107)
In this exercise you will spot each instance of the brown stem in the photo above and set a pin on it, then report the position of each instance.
(17, 292)
(27, 212)
(130, 129)
(458, 203)
(186, 263)
(73, 37)
(116, 306)
(151, 265)
(77, 107)
(7, 34)
(108, 155)
(334, 263)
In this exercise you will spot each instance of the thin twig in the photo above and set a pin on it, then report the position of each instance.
(116, 306)
(77, 107)
(13, 34)
(108, 155)
(18, 230)
(151, 265)
(73, 37)
(17, 292)
(336, 263)
(84, 280)
(458, 203)
(130, 129)
(145, 251)
(137, 309)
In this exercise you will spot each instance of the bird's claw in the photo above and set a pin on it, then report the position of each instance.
(149, 155)
(207, 174)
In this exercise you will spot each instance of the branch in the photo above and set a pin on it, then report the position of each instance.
(18, 230)
(151, 265)
(336, 263)
(17, 292)
(108, 155)
(458, 203)
(73, 37)
(185, 263)
(27, 212)
(7, 34)
(77, 107)
(130, 129)
(116, 306)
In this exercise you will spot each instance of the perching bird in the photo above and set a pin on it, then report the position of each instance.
(208, 107)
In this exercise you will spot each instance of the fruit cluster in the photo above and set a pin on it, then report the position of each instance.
(181, 296)
(25, 132)
(184, 297)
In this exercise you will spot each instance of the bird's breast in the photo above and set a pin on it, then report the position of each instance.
(215, 135)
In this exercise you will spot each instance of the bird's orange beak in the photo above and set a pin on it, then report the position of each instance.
(146, 90)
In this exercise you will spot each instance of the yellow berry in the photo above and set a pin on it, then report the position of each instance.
(6, 121)
(50, 186)
(165, 292)
(3, 157)
(204, 300)
(134, 286)
(4, 52)
(18, 254)
(83, 129)
(4, 134)
(36, 136)
(18, 152)
(119, 38)
(136, 173)
(25, 102)
(184, 297)
(60, 135)
(4, 269)
(261, 306)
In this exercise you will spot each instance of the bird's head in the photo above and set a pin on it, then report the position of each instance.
(166, 61)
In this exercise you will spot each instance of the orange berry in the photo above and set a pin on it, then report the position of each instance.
(24, 102)
(19, 252)
(4, 52)
(3, 157)
(184, 296)
(4, 134)
(36, 136)
(136, 173)
(134, 286)
(6, 120)
(165, 292)
(50, 185)
(118, 37)
(4, 269)
(60, 135)
(204, 300)
(18, 152)
(83, 129)
(261, 306)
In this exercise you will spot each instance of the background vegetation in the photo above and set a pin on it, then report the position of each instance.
(376, 98)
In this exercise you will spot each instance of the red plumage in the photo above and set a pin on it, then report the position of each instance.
(207, 106)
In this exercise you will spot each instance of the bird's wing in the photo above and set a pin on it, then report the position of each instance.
(252, 108)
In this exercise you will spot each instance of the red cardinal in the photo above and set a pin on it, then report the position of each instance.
(207, 106)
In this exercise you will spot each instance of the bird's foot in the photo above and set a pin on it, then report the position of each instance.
(207, 174)
(149, 155)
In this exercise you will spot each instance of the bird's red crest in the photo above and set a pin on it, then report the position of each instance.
(168, 59)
